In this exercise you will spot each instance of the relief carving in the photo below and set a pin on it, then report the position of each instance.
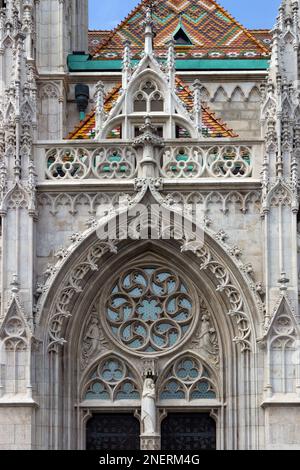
(93, 341)
(206, 339)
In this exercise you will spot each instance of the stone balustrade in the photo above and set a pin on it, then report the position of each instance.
(181, 159)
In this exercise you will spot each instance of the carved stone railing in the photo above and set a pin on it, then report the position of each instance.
(75, 161)
(69, 163)
(216, 162)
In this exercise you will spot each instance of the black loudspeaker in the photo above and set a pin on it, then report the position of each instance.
(82, 96)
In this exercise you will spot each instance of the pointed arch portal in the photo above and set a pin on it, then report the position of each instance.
(116, 311)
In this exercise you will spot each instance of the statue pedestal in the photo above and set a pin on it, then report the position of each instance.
(150, 442)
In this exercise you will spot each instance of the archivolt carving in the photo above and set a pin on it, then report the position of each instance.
(225, 285)
(73, 286)
(90, 261)
(207, 262)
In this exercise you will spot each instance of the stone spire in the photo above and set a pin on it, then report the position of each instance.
(18, 108)
(280, 130)
(100, 114)
(149, 33)
(197, 105)
(126, 71)
(284, 61)
(171, 63)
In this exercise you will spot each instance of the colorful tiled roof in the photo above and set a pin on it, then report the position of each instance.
(213, 127)
(96, 39)
(264, 36)
(212, 31)
(86, 128)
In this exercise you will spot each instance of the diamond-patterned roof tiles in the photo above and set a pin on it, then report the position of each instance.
(212, 31)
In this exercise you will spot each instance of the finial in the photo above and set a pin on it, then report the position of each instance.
(148, 135)
(149, 23)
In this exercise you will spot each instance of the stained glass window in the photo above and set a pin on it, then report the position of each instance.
(149, 309)
(111, 380)
(187, 379)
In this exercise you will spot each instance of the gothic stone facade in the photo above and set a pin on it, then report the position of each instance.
(201, 117)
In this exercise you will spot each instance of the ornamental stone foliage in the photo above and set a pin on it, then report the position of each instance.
(149, 229)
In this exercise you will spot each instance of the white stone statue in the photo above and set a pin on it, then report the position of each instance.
(149, 408)
(206, 330)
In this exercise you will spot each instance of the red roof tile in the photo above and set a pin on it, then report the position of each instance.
(211, 29)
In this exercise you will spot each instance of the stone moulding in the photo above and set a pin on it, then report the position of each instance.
(205, 198)
(90, 261)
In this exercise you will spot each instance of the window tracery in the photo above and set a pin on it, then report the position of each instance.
(148, 98)
(283, 355)
(188, 379)
(111, 380)
(149, 309)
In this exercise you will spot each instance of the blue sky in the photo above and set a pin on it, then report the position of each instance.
(106, 14)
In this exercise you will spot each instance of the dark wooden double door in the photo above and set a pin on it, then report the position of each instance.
(179, 432)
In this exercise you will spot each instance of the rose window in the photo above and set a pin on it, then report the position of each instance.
(149, 309)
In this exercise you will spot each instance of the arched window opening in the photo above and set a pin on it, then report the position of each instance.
(283, 368)
(140, 103)
(111, 380)
(157, 103)
(148, 98)
(188, 379)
